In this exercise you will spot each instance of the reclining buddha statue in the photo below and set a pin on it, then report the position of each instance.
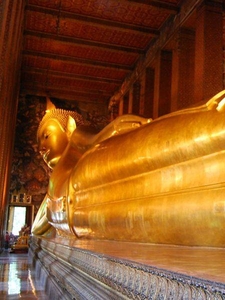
(156, 181)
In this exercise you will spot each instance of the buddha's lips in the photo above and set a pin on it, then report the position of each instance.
(45, 155)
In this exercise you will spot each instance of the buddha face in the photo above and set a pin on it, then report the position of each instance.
(52, 141)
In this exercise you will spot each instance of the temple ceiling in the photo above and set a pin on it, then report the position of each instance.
(86, 50)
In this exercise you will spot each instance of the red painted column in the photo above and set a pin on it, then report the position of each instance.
(162, 86)
(11, 18)
(147, 93)
(182, 88)
(126, 104)
(136, 98)
(209, 50)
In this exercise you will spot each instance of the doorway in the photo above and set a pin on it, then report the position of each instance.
(18, 217)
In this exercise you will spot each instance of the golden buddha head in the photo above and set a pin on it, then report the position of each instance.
(54, 133)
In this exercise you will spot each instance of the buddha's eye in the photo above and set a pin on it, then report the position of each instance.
(46, 136)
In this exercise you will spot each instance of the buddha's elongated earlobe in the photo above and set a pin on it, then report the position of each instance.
(71, 126)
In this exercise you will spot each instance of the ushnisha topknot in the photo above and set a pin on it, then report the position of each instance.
(62, 116)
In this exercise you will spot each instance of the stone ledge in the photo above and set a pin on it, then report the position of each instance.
(84, 269)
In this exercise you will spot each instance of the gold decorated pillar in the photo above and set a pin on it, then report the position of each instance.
(11, 21)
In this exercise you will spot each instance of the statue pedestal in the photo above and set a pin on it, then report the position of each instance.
(87, 269)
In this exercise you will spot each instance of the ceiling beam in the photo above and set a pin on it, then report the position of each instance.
(65, 75)
(78, 41)
(83, 96)
(75, 60)
(64, 95)
(162, 5)
(47, 80)
(95, 21)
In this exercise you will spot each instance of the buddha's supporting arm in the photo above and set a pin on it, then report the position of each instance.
(41, 224)
(120, 125)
